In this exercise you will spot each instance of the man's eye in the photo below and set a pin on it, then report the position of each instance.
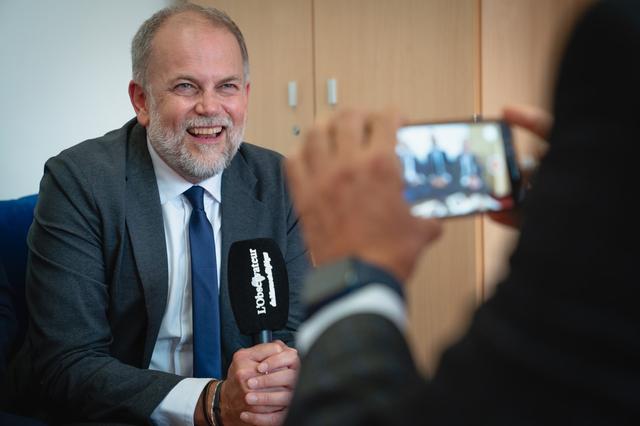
(229, 86)
(185, 88)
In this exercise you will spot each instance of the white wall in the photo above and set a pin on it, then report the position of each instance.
(64, 70)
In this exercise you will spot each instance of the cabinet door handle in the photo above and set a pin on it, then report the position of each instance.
(332, 91)
(292, 91)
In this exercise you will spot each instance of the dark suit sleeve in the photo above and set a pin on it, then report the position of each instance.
(359, 372)
(68, 299)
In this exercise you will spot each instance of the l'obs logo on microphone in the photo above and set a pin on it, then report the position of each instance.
(257, 280)
(258, 286)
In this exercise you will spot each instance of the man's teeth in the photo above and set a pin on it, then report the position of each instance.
(206, 131)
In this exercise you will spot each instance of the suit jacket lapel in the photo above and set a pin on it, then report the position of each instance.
(146, 232)
(241, 212)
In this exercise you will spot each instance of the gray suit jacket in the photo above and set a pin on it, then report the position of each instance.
(97, 274)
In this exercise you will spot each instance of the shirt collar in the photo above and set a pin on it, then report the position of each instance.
(171, 185)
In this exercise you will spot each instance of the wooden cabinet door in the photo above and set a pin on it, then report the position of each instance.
(278, 34)
(420, 57)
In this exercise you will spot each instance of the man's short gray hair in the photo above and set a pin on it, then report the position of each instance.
(142, 41)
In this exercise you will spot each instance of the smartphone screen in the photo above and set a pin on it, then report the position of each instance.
(458, 168)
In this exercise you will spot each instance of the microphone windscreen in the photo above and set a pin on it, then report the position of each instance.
(258, 285)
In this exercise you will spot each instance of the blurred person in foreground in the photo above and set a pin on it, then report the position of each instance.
(559, 341)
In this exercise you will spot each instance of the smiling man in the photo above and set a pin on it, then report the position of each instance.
(123, 283)
(194, 102)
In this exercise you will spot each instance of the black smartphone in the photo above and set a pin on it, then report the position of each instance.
(457, 168)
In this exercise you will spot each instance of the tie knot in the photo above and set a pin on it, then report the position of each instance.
(195, 195)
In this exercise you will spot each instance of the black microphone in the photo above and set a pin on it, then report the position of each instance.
(258, 287)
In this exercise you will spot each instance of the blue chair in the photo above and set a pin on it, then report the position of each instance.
(15, 219)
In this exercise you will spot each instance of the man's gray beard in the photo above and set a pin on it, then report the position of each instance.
(169, 145)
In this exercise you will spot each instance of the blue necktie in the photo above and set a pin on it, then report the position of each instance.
(204, 287)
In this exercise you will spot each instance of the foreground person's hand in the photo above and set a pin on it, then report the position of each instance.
(347, 187)
(538, 122)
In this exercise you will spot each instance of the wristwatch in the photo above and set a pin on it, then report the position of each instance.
(333, 281)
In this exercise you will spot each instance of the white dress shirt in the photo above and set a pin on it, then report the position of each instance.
(173, 351)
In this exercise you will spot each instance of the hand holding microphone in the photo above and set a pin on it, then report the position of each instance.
(260, 379)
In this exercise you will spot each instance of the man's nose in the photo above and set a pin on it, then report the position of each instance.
(208, 104)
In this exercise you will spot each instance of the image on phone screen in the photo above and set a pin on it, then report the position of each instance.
(458, 168)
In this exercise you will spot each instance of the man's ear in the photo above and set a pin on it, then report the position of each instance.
(139, 101)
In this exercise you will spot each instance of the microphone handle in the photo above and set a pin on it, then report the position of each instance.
(264, 336)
